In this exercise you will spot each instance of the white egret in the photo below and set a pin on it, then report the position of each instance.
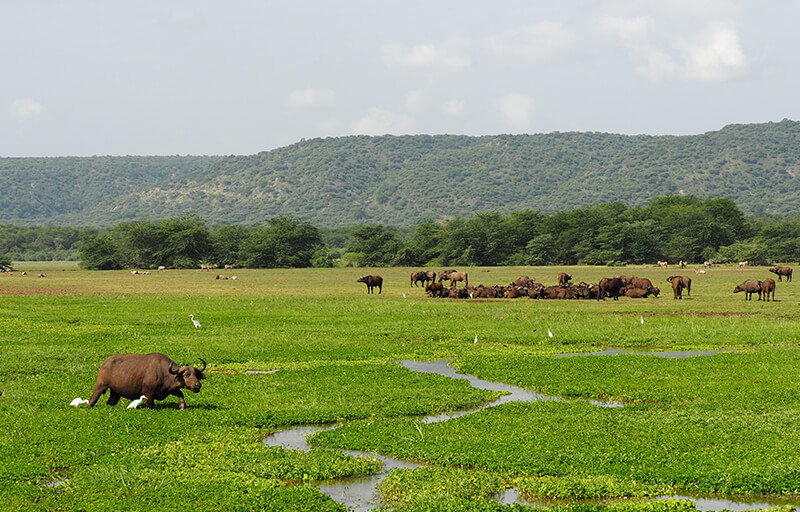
(549, 333)
(78, 401)
(404, 295)
(136, 403)
(476, 339)
(641, 319)
(195, 322)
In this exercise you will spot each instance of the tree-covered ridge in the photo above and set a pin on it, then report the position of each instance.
(70, 190)
(403, 180)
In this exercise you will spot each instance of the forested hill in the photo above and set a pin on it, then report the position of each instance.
(398, 180)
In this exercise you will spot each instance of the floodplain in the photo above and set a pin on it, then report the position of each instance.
(296, 347)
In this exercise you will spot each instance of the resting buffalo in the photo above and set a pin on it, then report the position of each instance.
(523, 282)
(153, 375)
(371, 282)
(767, 287)
(434, 289)
(637, 293)
(563, 278)
(685, 284)
(453, 276)
(782, 271)
(422, 276)
(749, 287)
(610, 287)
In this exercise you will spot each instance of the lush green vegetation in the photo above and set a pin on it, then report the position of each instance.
(402, 181)
(721, 423)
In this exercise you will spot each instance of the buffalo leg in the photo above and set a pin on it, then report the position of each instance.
(99, 389)
(179, 394)
(113, 397)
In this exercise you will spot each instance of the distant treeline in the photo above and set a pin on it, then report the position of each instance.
(669, 228)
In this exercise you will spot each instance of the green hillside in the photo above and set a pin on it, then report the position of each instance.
(400, 180)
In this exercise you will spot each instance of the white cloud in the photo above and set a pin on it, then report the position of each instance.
(416, 100)
(626, 29)
(716, 55)
(378, 121)
(536, 42)
(26, 109)
(448, 55)
(453, 108)
(516, 109)
(310, 98)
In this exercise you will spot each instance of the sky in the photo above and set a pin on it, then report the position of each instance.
(203, 77)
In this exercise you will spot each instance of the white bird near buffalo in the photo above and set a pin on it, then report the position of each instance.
(195, 322)
(136, 403)
(78, 401)
(549, 333)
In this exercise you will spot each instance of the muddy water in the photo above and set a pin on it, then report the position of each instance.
(359, 493)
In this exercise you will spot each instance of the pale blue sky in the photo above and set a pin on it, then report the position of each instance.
(160, 77)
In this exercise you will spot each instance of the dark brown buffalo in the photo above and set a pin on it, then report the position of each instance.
(637, 293)
(153, 375)
(680, 283)
(563, 278)
(749, 287)
(610, 287)
(522, 282)
(767, 287)
(422, 276)
(371, 282)
(782, 271)
(434, 289)
(453, 276)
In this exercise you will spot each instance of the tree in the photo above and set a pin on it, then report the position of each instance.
(99, 252)
(376, 244)
(181, 242)
(285, 243)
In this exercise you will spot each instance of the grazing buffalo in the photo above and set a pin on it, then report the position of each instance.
(371, 282)
(685, 280)
(610, 287)
(153, 375)
(453, 276)
(422, 276)
(767, 287)
(749, 287)
(782, 271)
(563, 278)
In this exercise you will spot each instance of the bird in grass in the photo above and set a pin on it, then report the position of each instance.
(78, 401)
(136, 403)
(404, 295)
(476, 339)
(195, 322)
(641, 319)
(549, 333)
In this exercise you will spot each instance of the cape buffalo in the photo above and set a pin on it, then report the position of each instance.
(610, 287)
(153, 375)
(767, 287)
(637, 293)
(422, 276)
(453, 276)
(563, 278)
(782, 271)
(522, 282)
(686, 284)
(749, 287)
(371, 282)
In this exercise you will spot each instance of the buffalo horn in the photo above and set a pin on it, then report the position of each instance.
(204, 365)
(171, 364)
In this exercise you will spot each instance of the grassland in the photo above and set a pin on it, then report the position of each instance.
(725, 423)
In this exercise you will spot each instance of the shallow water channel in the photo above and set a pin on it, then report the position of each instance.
(359, 493)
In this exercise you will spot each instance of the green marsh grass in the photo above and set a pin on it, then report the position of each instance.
(722, 423)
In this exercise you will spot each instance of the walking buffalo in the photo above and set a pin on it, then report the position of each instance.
(371, 282)
(610, 287)
(422, 276)
(686, 284)
(782, 271)
(453, 276)
(767, 287)
(749, 287)
(155, 376)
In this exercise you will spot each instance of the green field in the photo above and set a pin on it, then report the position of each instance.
(724, 423)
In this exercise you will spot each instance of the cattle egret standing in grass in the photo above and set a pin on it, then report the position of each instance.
(641, 319)
(78, 401)
(195, 322)
(476, 339)
(136, 403)
(549, 333)
(404, 295)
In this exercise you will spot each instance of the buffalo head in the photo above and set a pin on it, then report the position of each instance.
(188, 376)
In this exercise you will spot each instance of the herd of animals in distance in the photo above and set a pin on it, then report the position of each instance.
(614, 287)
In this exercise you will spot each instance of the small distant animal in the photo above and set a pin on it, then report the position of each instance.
(742, 264)
(422, 276)
(162, 268)
(781, 272)
(563, 278)
(663, 264)
(371, 282)
(154, 375)
(707, 263)
(453, 276)
(699, 271)
(195, 322)
(686, 284)
(749, 287)
(42, 275)
(682, 264)
(767, 287)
